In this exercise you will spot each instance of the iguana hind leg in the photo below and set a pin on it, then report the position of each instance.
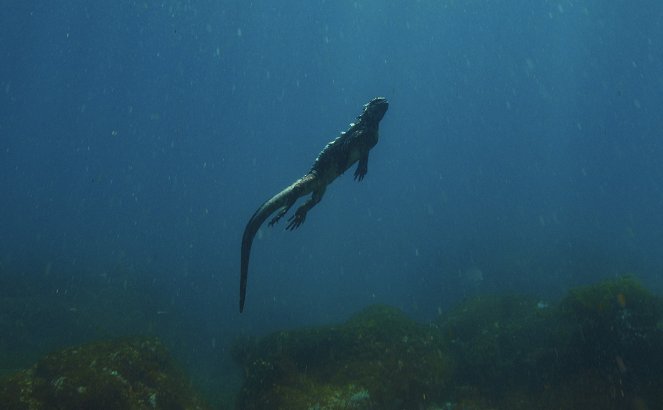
(300, 214)
(302, 186)
(281, 212)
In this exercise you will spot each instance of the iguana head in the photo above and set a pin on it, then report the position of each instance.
(375, 109)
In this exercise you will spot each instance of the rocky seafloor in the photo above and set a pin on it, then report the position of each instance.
(127, 374)
(600, 347)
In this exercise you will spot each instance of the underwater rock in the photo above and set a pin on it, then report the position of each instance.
(379, 359)
(500, 342)
(615, 318)
(611, 336)
(123, 374)
(600, 347)
(39, 315)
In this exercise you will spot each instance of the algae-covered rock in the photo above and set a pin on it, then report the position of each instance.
(500, 342)
(615, 318)
(600, 347)
(126, 374)
(379, 359)
(613, 331)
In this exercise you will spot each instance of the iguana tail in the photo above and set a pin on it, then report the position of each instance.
(283, 199)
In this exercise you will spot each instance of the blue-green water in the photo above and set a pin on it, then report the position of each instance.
(521, 153)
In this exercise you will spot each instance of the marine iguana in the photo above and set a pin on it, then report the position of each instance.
(337, 157)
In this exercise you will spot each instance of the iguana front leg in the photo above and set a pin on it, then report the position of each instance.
(300, 214)
(362, 168)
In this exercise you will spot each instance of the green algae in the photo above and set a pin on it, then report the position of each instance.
(377, 359)
(500, 342)
(124, 374)
(612, 332)
(600, 347)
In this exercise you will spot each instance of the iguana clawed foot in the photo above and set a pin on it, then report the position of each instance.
(360, 173)
(296, 220)
(284, 210)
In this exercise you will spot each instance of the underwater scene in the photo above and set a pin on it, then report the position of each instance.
(427, 205)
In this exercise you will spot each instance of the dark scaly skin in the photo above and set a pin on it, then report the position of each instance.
(336, 158)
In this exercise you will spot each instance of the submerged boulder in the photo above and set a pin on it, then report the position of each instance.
(124, 374)
(600, 347)
(379, 359)
(610, 339)
(500, 342)
(613, 323)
